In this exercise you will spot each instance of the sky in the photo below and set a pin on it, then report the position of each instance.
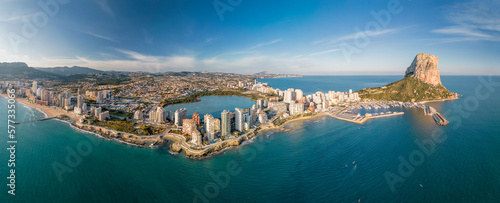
(342, 37)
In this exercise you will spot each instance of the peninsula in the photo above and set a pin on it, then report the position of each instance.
(129, 106)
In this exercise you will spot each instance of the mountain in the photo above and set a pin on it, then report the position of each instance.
(66, 71)
(421, 83)
(20, 70)
(425, 68)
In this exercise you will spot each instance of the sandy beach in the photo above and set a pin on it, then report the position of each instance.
(48, 110)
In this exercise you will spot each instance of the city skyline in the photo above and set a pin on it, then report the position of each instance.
(313, 38)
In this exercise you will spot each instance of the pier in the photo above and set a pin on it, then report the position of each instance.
(438, 118)
(358, 119)
(43, 119)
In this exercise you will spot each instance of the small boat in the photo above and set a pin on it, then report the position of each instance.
(353, 162)
(421, 186)
(346, 165)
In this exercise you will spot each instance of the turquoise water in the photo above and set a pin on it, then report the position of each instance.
(307, 164)
(213, 105)
(312, 84)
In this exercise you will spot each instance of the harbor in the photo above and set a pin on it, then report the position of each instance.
(346, 114)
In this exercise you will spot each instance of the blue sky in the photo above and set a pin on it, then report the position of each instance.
(248, 36)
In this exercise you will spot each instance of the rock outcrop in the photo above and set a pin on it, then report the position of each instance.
(421, 83)
(425, 68)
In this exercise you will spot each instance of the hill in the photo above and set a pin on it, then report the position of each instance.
(421, 83)
(19, 70)
(66, 71)
(409, 89)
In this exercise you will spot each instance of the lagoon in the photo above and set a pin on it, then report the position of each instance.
(213, 105)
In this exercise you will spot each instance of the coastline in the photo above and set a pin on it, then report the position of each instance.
(176, 142)
(439, 100)
(47, 110)
(50, 112)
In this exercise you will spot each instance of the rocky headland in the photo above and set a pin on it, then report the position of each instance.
(422, 82)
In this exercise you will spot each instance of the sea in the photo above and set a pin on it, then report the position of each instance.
(405, 158)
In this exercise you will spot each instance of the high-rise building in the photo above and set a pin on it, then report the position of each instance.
(196, 138)
(225, 123)
(289, 95)
(196, 118)
(238, 119)
(296, 109)
(209, 126)
(152, 116)
(180, 115)
(298, 94)
(188, 126)
(138, 115)
(157, 115)
(34, 87)
(80, 100)
(260, 104)
(97, 111)
(100, 97)
(262, 117)
(217, 125)
(253, 115)
(277, 107)
(171, 115)
(103, 116)
(160, 115)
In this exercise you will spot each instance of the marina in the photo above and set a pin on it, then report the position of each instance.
(346, 114)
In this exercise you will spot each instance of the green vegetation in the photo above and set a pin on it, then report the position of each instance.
(175, 131)
(409, 89)
(188, 137)
(90, 101)
(226, 92)
(119, 113)
(128, 127)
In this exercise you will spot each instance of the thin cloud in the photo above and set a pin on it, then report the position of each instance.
(17, 18)
(265, 44)
(460, 30)
(472, 21)
(356, 35)
(100, 36)
(103, 4)
(324, 52)
(210, 40)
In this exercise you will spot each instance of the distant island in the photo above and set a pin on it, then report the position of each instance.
(265, 74)
(421, 83)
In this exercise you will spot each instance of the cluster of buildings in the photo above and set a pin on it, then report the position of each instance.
(209, 128)
(240, 120)
(285, 103)
(66, 100)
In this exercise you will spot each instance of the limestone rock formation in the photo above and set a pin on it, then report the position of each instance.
(425, 68)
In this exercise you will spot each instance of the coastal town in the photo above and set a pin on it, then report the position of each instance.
(134, 113)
